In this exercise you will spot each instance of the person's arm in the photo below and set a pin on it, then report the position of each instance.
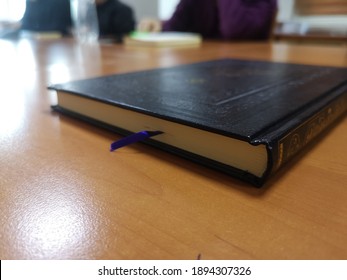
(115, 18)
(181, 18)
(123, 21)
(246, 19)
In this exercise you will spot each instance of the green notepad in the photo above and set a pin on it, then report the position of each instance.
(162, 39)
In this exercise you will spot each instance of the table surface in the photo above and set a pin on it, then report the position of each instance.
(63, 195)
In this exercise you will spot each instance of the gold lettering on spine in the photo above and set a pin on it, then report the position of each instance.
(298, 138)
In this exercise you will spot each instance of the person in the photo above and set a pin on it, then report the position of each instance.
(47, 16)
(224, 19)
(115, 18)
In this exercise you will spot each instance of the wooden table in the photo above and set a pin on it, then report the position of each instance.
(63, 195)
(299, 34)
(318, 39)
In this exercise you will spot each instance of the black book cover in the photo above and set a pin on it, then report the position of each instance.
(280, 105)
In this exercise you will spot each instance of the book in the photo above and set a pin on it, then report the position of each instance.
(162, 39)
(245, 118)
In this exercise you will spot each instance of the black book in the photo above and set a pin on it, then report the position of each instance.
(246, 118)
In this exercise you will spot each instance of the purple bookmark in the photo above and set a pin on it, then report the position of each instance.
(133, 138)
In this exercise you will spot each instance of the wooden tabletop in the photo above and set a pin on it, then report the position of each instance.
(63, 195)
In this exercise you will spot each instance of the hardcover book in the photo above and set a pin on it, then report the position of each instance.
(245, 118)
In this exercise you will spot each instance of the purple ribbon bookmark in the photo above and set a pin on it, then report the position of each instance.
(133, 138)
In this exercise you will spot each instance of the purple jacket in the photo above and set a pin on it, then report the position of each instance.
(226, 19)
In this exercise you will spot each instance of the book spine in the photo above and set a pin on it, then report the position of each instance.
(298, 138)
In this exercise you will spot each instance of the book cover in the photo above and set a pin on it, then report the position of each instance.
(246, 118)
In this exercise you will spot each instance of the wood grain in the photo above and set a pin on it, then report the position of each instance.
(63, 195)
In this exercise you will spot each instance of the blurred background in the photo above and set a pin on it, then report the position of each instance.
(322, 21)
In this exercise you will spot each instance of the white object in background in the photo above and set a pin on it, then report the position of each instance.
(11, 10)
